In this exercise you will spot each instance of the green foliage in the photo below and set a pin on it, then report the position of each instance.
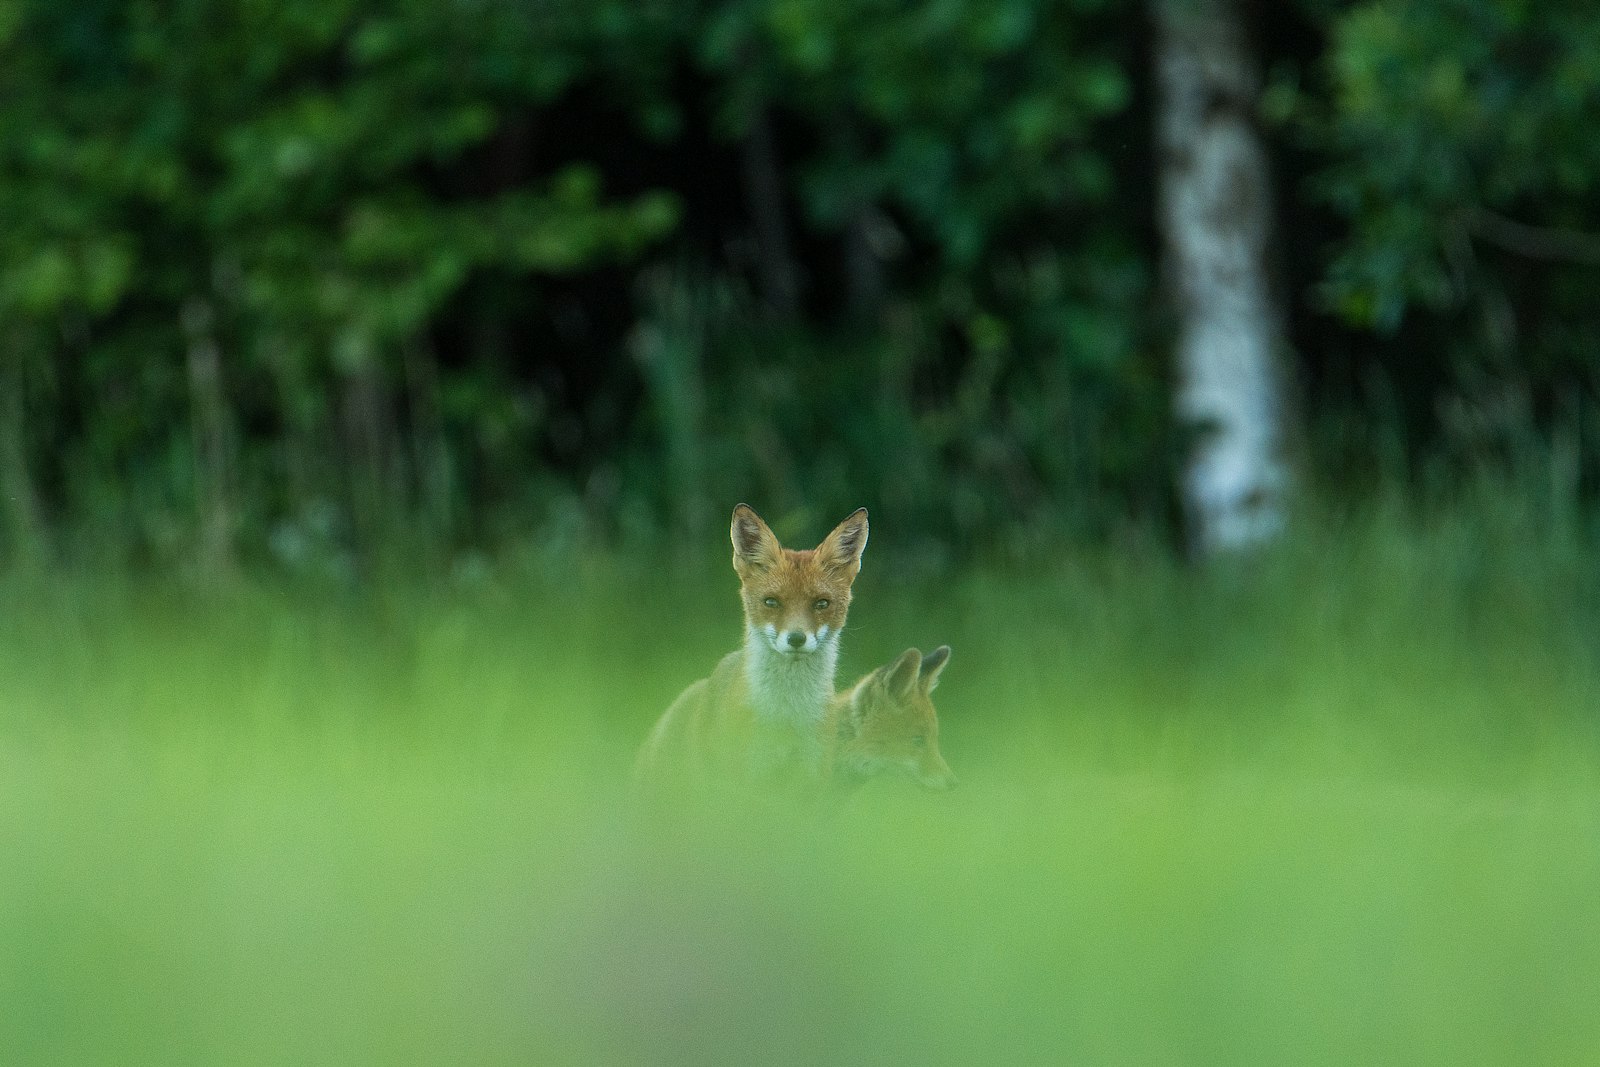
(284, 182)
(965, 117)
(1440, 112)
(1453, 141)
(963, 145)
(313, 275)
(938, 430)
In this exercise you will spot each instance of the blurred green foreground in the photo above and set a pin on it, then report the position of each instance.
(1343, 809)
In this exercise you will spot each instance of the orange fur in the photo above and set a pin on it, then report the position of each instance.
(758, 714)
(886, 723)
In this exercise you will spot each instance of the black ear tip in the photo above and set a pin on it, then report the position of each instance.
(746, 520)
(936, 659)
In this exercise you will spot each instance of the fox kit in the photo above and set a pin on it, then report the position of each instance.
(886, 723)
(760, 712)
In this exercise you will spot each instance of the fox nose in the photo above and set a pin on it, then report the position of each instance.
(796, 639)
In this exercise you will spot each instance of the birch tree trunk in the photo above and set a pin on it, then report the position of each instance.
(1215, 204)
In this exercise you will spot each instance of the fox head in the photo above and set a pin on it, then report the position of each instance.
(795, 602)
(889, 724)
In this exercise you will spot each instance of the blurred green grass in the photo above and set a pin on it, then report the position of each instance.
(1341, 808)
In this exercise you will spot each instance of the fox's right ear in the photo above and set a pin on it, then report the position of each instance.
(902, 678)
(754, 544)
(932, 664)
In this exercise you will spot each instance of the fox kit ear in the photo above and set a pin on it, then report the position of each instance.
(843, 547)
(902, 677)
(932, 665)
(754, 545)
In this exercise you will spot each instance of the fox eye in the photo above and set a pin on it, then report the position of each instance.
(822, 605)
(771, 602)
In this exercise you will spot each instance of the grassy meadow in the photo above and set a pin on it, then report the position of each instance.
(1341, 807)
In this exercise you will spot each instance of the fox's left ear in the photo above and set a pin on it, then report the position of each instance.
(902, 677)
(932, 666)
(843, 547)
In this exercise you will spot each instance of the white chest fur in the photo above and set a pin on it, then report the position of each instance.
(790, 689)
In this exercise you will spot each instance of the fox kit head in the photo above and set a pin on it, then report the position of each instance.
(795, 602)
(889, 724)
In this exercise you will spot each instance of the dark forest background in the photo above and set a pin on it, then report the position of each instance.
(284, 280)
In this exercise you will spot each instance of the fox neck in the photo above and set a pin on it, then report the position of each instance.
(789, 688)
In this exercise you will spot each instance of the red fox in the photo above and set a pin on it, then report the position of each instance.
(886, 723)
(760, 712)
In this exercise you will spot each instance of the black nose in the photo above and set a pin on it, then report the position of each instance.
(796, 639)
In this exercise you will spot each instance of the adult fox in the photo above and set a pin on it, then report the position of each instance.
(760, 713)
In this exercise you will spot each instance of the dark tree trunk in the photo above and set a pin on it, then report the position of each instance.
(25, 537)
(212, 439)
(375, 489)
(763, 182)
(429, 456)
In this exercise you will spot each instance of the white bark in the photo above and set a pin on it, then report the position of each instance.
(1216, 214)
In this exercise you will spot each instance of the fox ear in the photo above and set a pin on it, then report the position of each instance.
(754, 544)
(902, 677)
(843, 547)
(932, 665)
